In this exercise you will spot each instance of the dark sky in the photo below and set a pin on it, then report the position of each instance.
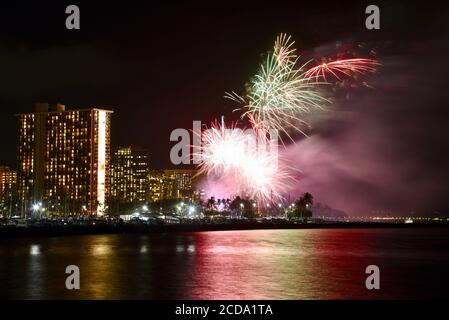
(159, 66)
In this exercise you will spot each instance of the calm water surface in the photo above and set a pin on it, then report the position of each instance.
(256, 264)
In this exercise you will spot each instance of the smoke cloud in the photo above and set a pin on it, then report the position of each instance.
(382, 150)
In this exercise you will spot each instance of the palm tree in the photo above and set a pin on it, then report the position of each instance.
(305, 200)
(302, 207)
(211, 203)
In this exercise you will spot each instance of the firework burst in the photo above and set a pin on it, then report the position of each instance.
(248, 158)
(284, 90)
(280, 92)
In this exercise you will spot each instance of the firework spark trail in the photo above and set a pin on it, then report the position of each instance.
(280, 92)
(284, 90)
(284, 51)
(346, 67)
(227, 153)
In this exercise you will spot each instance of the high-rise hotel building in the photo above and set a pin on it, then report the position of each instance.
(8, 184)
(129, 175)
(64, 159)
(173, 184)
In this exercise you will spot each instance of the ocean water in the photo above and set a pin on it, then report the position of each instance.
(255, 264)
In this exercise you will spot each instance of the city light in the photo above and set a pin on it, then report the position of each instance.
(101, 174)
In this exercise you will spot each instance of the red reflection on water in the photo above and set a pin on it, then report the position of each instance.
(252, 264)
(304, 264)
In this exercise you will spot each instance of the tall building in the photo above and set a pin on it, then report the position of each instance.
(180, 183)
(64, 159)
(8, 186)
(172, 184)
(129, 175)
(156, 185)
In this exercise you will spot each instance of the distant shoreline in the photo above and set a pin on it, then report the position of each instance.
(56, 231)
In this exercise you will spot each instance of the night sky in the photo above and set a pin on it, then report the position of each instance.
(160, 66)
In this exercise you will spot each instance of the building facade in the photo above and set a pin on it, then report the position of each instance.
(64, 159)
(172, 184)
(129, 175)
(180, 183)
(8, 188)
(156, 186)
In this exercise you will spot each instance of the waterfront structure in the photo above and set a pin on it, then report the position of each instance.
(64, 159)
(129, 175)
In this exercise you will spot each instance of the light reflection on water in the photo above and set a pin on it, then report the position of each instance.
(257, 264)
(34, 249)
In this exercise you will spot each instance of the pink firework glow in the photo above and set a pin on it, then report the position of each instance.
(245, 158)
